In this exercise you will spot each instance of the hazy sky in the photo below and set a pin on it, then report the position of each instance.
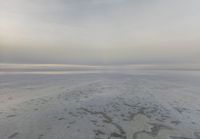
(100, 31)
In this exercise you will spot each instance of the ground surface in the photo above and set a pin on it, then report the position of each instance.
(101, 105)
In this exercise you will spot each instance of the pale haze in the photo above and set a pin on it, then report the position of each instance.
(100, 31)
(99, 69)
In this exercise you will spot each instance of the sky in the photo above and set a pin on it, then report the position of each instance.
(100, 31)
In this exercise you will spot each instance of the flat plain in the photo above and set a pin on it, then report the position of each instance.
(114, 104)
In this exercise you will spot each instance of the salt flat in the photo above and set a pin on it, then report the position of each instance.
(118, 104)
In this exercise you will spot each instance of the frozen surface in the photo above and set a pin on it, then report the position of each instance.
(101, 105)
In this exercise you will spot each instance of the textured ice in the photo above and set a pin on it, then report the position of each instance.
(120, 104)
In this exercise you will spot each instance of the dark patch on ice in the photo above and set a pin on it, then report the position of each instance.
(61, 118)
(157, 127)
(197, 135)
(180, 110)
(193, 123)
(176, 122)
(9, 116)
(72, 114)
(104, 115)
(109, 120)
(40, 136)
(198, 110)
(98, 133)
(72, 122)
(149, 110)
(13, 135)
(36, 109)
(175, 137)
(114, 134)
(154, 130)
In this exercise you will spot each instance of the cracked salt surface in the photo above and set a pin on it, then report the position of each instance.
(105, 105)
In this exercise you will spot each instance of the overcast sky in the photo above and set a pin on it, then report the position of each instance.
(100, 31)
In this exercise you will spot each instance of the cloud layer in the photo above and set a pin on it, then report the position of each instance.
(99, 31)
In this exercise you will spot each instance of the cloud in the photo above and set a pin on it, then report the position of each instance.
(99, 31)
